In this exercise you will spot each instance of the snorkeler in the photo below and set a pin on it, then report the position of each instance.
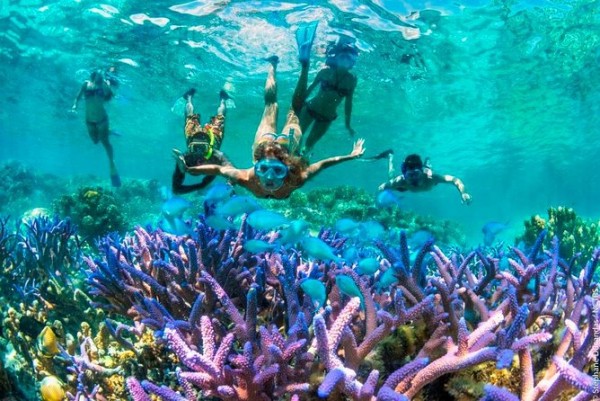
(335, 83)
(419, 177)
(203, 143)
(278, 168)
(96, 91)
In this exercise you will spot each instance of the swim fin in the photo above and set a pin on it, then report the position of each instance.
(305, 36)
(115, 179)
(381, 155)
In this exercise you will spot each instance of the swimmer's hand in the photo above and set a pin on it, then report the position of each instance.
(73, 109)
(358, 149)
(466, 198)
(178, 156)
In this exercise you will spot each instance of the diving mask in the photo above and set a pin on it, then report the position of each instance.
(271, 173)
(413, 176)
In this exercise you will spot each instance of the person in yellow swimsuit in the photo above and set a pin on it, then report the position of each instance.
(203, 143)
(278, 168)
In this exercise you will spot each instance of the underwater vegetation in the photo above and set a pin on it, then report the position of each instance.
(199, 316)
(95, 211)
(98, 211)
(22, 188)
(577, 236)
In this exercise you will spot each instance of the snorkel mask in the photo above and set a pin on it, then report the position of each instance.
(412, 169)
(413, 176)
(271, 173)
(342, 56)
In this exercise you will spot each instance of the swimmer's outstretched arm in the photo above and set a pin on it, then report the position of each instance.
(319, 166)
(449, 179)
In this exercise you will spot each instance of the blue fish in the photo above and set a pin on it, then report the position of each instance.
(238, 205)
(388, 199)
(220, 223)
(173, 209)
(347, 226)
(371, 229)
(175, 206)
(315, 289)
(318, 249)
(386, 279)
(219, 192)
(258, 246)
(419, 238)
(266, 220)
(367, 266)
(348, 287)
(176, 225)
(490, 230)
(294, 232)
(351, 254)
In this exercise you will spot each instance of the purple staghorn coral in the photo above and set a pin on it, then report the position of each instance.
(242, 329)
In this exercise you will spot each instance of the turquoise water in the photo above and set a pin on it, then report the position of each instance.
(504, 95)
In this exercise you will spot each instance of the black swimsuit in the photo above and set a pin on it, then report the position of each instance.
(93, 92)
(329, 86)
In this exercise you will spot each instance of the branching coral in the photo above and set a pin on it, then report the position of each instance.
(206, 299)
(226, 323)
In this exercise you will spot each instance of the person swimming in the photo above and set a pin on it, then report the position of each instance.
(335, 84)
(203, 143)
(278, 168)
(96, 91)
(418, 176)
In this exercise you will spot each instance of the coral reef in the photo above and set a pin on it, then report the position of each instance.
(94, 210)
(21, 188)
(578, 236)
(241, 328)
(199, 316)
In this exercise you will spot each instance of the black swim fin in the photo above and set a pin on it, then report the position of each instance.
(381, 155)
(188, 93)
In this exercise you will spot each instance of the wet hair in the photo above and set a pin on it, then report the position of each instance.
(296, 165)
(412, 162)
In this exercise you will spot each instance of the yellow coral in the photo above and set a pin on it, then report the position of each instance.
(90, 194)
(51, 389)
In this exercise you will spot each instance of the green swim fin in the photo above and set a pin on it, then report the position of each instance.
(305, 36)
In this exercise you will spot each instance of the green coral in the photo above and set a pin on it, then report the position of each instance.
(576, 235)
(94, 210)
(401, 347)
(467, 385)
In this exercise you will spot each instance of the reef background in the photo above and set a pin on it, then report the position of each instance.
(503, 94)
